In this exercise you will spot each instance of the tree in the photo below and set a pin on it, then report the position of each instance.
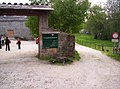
(113, 15)
(95, 22)
(32, 24)
(104, 20)
(67, 16)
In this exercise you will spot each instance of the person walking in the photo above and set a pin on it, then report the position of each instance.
(7, 43)
(19, 43)
(2, 39)
(0, 43)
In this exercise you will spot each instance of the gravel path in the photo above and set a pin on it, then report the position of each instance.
(19, 69)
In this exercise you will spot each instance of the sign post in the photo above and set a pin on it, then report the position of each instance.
(115, 39)
(50, 40)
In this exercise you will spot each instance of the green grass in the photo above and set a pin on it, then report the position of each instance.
(114, 56)
(103, 45)
(77, 56)
(90, 39)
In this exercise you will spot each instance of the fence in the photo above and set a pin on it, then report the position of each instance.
(102, 47)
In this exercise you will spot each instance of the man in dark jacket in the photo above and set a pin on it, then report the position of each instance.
(7, 43)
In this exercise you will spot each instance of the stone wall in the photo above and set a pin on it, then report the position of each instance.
(66, 47)
(16, 24)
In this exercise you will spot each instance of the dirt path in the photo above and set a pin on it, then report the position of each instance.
(19, 69)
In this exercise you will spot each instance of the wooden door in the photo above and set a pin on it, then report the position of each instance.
(10, 33)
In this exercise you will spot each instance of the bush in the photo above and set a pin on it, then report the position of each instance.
(60, 60)
(63, 60)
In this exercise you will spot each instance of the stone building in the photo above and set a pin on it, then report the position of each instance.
(14, 26)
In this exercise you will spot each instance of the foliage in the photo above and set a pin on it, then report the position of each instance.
(103, 21)
(77, 56)
(32, 24)
(96, 22)
(113, 11)
(68, 15)
(59, 61)
(67, 60)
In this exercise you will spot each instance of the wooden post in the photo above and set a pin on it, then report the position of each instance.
(102, 47)
(42, 27)
(95, 46)
(39, 31)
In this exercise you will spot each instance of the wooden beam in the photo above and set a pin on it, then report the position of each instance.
(22, 12)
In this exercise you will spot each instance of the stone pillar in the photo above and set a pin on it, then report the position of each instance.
(43, 27)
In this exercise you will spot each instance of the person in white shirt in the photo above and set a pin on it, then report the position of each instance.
(2, 40)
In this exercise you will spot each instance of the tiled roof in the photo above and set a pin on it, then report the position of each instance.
(25, 6)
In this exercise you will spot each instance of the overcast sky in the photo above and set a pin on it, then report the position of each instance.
(14, 1)
(98, 1)
(27, 1)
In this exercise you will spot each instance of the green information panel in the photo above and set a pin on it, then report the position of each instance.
(50, 40)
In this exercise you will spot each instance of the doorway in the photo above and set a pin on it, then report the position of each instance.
(10, 33)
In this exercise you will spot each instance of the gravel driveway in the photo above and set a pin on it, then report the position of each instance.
(19, 69)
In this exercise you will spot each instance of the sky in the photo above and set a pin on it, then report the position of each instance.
(97, 1)
(14, 1)
(27, 1)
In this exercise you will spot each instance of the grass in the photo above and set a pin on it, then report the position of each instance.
(77, 56)
(103, 45)
(90, 39)
(114, 56)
